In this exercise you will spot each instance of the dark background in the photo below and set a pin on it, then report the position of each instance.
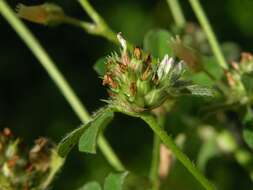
(32, 106)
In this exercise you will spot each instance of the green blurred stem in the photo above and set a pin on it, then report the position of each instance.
(39, 52)
(101, 27)
(177, 12)
(155, 162)
(204, 22)
(168, 141)
(55, 165)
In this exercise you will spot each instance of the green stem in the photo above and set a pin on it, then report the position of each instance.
(110, 155)
(154, 169)
(204, 22)
(55, 165)
(168, 141)
(177, 12)
(102, 27)
(39, 52)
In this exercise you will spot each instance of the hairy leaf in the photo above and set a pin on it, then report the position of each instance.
(197, 90)
(88, 140)
(73, 137)
(71, 140)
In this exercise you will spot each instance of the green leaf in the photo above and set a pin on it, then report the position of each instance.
(248, 116)
(248, 129)
(231, 51)
(136, 182)
(99, 66)
(68, 142)
(88, 140)
(247, 81)
(210, 65)
(194, 90)
(72, 138)
(115, 181)
(208, 150)
(91, 186)
(248, 136)
(197, 90)
(157, 42)
(120, 181)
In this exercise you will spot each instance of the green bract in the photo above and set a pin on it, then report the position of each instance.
(138, 82)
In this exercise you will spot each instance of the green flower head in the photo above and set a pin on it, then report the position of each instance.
(138, 82)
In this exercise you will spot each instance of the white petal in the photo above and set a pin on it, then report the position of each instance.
(160, 71)
(122, 41)
(168, 65)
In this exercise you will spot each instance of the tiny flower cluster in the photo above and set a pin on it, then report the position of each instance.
(20, 171)
(239, 78)
(139, 82)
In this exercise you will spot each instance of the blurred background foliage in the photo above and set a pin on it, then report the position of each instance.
(32, 106)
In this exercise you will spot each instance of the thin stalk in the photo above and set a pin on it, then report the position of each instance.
(47, 63)
(177, 12)
(155, 162)
(204, 22)
(101, 25)
(55, 165)
(168, 141)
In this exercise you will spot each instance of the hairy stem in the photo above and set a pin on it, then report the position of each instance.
(168, 141)
(39, 52)
(204, 22)
(177, 12)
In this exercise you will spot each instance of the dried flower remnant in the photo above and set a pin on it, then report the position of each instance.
(246, 63)
(48, 13)
(235, 76)
(194, 36)
(139, 82)
(190, 56)
(24, 170)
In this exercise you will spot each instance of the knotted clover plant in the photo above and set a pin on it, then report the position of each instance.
(138, 83)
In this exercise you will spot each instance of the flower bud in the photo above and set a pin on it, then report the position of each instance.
(48, 14)
(246, 63)
(190, 56)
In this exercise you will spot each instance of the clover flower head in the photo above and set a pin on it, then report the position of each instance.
(138, 82)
